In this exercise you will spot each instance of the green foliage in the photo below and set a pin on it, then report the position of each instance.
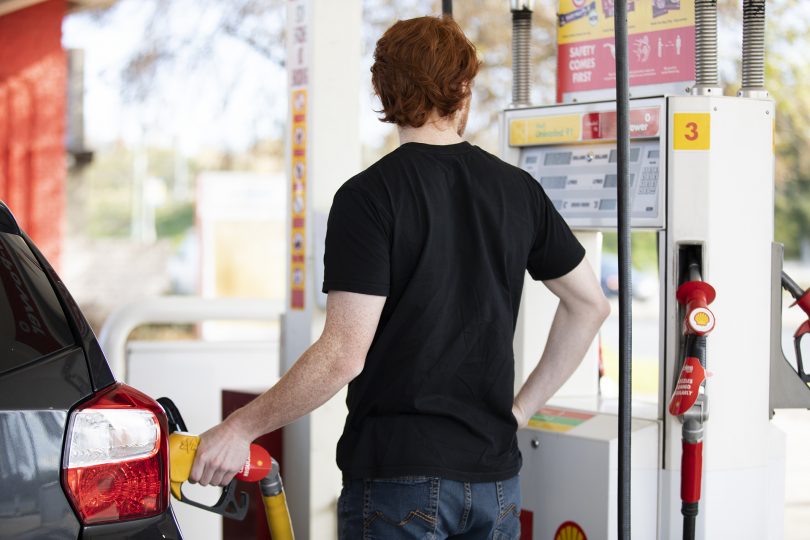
(644, 250)
(172, 221)
(100, 197)
(788, 81)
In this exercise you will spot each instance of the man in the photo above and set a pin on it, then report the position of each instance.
(426, 252)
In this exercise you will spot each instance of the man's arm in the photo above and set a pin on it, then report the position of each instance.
(327, 366)
(580, 313)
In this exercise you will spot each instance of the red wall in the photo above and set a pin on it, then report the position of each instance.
(33, 79)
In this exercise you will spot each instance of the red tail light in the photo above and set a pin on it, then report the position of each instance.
(116, 457)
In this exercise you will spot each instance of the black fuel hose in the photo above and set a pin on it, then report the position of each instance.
(689, 511)
(625, 269)
(791, 286)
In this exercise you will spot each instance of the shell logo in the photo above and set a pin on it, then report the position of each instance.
(570, 531)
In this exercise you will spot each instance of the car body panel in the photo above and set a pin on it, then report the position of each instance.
(62, 378)
(32, 427)
(32, 502)
(163, 526)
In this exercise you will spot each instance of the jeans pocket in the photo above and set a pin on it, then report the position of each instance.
(402, 507)
(508, 527)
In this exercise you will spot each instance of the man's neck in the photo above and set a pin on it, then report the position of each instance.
(440, 132)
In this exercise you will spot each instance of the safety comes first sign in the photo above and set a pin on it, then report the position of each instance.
(661, 45)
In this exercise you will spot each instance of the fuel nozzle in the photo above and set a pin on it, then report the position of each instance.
(696, 295)
(688, 402)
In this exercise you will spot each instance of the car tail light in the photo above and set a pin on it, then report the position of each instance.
(116, 457)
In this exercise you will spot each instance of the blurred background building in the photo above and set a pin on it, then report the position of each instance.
(33, 88)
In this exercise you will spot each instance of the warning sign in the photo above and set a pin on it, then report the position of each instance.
(661, 45)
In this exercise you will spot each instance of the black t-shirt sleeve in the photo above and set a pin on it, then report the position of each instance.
(357, 254)
(555, 251)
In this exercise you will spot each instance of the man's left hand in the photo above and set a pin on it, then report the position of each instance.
(222, 452)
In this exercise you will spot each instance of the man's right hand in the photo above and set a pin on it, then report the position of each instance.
(521, 417)
(581, 312)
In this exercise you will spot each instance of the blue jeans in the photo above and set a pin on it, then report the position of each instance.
(429, 508)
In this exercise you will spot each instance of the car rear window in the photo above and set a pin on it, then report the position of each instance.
(32, 323)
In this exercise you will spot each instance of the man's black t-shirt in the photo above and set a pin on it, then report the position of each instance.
(446, 233)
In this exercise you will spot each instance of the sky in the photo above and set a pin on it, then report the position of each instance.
(232, 98)
(187, 109)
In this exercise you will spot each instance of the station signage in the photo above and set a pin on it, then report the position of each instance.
(298, 70)
(661, 45)
(589, 126)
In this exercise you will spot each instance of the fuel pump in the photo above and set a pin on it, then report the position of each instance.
(700, 168)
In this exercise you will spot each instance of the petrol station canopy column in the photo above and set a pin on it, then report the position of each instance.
(324, 52)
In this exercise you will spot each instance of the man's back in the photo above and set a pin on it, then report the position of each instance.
(446, 232)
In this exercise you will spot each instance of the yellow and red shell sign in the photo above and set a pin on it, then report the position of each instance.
(298, 207)
(570, 531)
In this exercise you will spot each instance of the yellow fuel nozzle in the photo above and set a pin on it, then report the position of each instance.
(182, 449)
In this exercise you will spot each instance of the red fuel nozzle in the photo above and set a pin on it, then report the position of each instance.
(688, 387)
(696, 296)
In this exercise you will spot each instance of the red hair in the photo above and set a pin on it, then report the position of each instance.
(421, 65)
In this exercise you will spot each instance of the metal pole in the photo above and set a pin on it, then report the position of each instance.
(447, 8)
(625, 283)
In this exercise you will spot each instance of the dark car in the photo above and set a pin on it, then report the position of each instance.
(81, 455)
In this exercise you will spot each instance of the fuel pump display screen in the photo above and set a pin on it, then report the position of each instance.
(581, 181)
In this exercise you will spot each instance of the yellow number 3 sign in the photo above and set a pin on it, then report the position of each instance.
(692, 131)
